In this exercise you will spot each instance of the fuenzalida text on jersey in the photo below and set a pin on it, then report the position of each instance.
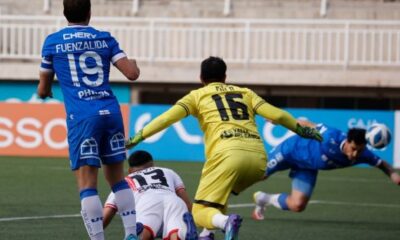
(81, 46)
(82, 56)
(90, 44)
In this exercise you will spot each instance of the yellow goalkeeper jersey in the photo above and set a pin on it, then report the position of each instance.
(226, 114)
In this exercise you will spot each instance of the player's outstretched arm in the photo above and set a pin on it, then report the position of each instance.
(306, 123)
(389, 171)
(282, 117)
(45, 81)
(128, 67)
(308, 132)
(134, 140)
(172, 115)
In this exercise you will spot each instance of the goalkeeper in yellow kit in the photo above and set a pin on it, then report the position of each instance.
(235, 153)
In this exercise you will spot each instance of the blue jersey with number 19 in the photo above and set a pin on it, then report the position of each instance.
(80, 56)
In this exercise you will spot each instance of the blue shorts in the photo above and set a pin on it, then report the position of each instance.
(96, 140)
(303, 180)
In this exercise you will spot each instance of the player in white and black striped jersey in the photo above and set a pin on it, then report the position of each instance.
(162, 204)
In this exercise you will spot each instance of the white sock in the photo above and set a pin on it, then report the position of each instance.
(273, 200)
(126, 208)
(219, 220)
(99, 236)
(206, 232)
(263, 199)
(92, 214)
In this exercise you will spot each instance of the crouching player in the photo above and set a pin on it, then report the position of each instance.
(162, 204)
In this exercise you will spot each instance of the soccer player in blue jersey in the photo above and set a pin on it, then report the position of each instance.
(305, 157)
(80, 56)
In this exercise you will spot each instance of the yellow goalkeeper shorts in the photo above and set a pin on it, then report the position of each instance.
(229, 171)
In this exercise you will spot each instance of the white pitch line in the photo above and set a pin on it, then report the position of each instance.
(242, 205)
(38, 217)
(339, 179)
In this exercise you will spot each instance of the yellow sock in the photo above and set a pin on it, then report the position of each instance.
(203, 215)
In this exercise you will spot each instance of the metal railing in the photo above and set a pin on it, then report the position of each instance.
(248, 41)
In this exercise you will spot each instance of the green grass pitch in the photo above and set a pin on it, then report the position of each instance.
(39, 200)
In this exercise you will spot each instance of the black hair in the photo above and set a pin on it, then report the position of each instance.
(357, 135)
(76, 11)
(213, 69)
(139, 158)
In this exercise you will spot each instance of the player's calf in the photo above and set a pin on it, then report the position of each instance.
(126, 206)
(92, 214)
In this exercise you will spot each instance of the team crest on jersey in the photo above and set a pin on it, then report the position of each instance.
(117, 142)
(89, 147)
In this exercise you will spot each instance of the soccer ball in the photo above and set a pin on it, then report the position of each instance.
(378, 136)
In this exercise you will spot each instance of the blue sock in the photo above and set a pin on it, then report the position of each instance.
(120, 186)
(87, 192)
(282, 201)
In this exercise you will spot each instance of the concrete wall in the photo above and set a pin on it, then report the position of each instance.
(337, 9)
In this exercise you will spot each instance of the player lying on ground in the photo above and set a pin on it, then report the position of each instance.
(235, 152)
(162, 204)
(305, 157)
(81, 56)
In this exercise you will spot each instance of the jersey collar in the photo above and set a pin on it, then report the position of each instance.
(215, 83)
(77, 26)
(342, 145)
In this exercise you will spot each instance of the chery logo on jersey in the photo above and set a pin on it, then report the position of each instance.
(36, 129)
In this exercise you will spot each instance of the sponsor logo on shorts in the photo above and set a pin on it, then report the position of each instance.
(89, 147)
(117, 142)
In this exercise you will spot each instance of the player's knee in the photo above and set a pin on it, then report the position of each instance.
(298, 206)
(174, 236)
(146, 235)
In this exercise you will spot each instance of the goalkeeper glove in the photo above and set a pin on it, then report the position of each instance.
(135, 140)
(308, 132)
